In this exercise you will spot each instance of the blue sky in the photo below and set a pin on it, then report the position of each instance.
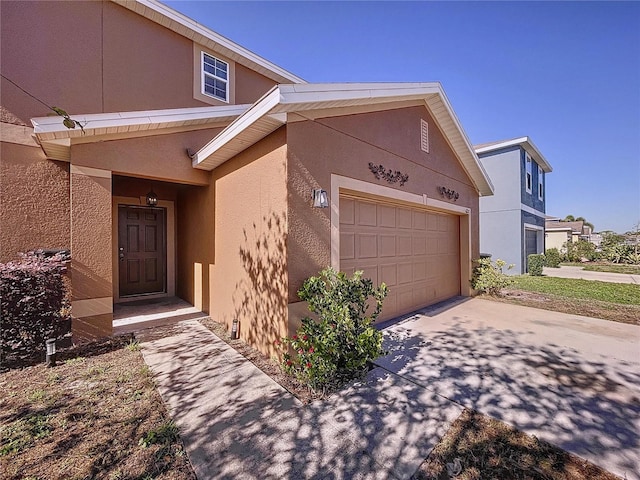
(567, 74)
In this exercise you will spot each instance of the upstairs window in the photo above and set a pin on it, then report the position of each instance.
(215, 77)
(528, 180)
(540, 183)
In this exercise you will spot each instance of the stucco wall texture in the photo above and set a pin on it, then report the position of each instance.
(34, 201)
(108, 65)
(345, 145)
(160, 157)
(249, 276)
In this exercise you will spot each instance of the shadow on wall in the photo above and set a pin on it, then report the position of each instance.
(588, 407)
(260, 298)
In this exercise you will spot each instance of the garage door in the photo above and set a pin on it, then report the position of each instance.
(531, 245)
(416, 252)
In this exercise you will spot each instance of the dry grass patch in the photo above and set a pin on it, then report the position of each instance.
(478, 447)
(97, 414)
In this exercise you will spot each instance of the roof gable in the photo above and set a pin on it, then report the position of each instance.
(523, 142)
(185, 26)
(271, 111)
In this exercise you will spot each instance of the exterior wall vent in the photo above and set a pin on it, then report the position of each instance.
(424, 136)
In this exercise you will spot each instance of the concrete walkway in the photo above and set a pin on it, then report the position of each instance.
(573, 381)
(578, 272)
(238, 423)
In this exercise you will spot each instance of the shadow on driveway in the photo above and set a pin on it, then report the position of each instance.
(587, 406)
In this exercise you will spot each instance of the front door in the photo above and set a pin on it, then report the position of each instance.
(142, 250)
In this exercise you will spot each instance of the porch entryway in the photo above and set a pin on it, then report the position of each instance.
(142, 314)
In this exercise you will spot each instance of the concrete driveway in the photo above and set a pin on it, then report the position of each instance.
(579, 272)
(570, 380)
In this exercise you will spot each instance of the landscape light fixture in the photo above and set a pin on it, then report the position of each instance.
(320, 199)
(152, 198)
(51, 352)
(234, 329)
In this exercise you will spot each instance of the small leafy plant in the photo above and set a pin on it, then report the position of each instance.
(166, 433)
(488, 277)
(536, 262)
(338, 346)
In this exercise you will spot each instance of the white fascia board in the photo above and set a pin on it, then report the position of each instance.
(93, 124)
(524, 142)
(301, 94)
(259, 109)
(483, 184)
(171, 14)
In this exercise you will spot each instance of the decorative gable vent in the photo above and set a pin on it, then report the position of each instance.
(424, 136)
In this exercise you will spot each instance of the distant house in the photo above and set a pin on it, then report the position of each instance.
(559, 232)
(512, 221)
(203, 170)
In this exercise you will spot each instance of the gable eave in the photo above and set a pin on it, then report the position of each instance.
(185, 26)
(266, 116)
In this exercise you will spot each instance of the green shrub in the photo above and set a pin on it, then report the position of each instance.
(33, 303)
(552, 258)
(535, 264)
(488, 277)
(580, 251)
(339, 345)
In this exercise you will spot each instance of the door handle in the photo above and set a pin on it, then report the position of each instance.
(121, 254)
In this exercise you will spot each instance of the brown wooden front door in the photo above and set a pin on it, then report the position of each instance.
(142, 250)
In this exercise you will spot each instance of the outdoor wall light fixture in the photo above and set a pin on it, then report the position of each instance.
(51, 352)
(320, 199)
(152, 198)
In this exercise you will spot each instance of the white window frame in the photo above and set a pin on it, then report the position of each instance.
(528, 180)
(204, 74)
(540, 183)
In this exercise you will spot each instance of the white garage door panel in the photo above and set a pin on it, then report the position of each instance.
(414, 251)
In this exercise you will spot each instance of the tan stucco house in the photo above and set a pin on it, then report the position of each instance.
(559, 232)
(242, 157)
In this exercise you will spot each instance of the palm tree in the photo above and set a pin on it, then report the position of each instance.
(584, 221)
(571, 218)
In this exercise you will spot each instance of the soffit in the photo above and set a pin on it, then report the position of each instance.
(56, 139)
(263, 118)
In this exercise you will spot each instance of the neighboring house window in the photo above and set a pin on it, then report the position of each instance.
(528, 173)
(540, 183)
(424, 136)
(215, 77)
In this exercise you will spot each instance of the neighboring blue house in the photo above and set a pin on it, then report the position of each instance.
(512, 220)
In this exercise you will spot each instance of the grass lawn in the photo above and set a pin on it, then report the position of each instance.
(610, 301)
(606, 267)
(621, 293)
(97, 414)
(614, 268)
